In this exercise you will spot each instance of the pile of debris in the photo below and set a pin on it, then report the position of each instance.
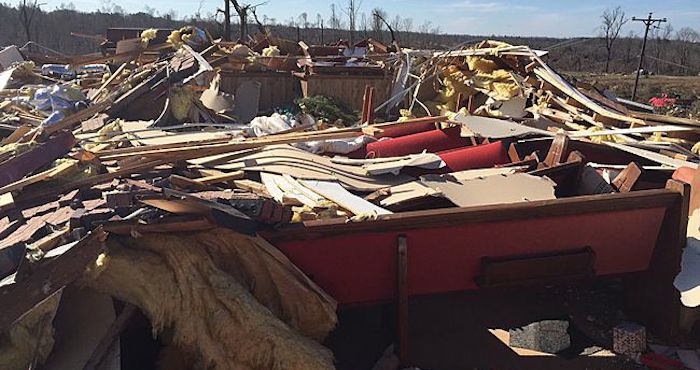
(95, 177)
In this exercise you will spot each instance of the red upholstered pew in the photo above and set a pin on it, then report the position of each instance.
(470, 248)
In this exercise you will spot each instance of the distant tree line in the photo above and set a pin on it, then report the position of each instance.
(669, 51)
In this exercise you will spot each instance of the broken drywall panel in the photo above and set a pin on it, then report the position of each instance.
(497, 189)
(495, 128)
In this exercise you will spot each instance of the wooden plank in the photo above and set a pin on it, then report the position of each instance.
(665, 119)
(90, 181)
(16, 135)
(169, 225)
(21, 165)
(653, 156)
(636, 130)
(41, 176)
(252, 186)
(642, 199)
(185, 204)
(555, 80)
(75, 118)
(225, 177)
(337, 194)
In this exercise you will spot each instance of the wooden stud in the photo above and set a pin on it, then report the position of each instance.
(368, 105)
(627, 178)
(513, 153)
(458, 106)
(471, 104)
(557, 150)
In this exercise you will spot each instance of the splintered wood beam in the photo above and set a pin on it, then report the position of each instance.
(513, 154)
(47, 277)
(627, 178)
(183, 182)
(557, 150)
(368, 105)
(253, 187)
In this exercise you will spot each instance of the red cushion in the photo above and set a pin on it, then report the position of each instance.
(432, 141)
(407, 129)
(481, 156)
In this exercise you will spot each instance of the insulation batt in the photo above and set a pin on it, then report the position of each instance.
(17, 345)
(231, 301)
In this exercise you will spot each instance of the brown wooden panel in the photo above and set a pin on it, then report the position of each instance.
(348, 89)
(536, 268)
(277, 88)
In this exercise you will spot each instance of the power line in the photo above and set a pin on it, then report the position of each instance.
(568, 43)
(670, 62)
(648, 22)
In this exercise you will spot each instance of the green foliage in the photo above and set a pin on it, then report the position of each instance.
(328, 110)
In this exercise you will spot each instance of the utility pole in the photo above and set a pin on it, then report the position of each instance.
(648, 22)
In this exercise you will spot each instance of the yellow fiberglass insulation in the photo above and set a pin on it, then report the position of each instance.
(34, 332)
(230, 300)
(181, 101)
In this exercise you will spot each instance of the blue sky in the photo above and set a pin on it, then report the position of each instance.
(563, 18)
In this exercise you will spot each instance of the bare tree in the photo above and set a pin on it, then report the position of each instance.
(334, 20)
(304, 20)
(425, 27)
(408, 28)
(661, 36)
(27, 11)
(629, 45)
(686, 37)
(378, 15)
(242, 11)
(261, 25)
(352, 10)
(396, 23)
(363, 24)
(612, 22)
(377, 25)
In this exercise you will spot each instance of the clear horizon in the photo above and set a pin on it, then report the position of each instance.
(565, 18)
